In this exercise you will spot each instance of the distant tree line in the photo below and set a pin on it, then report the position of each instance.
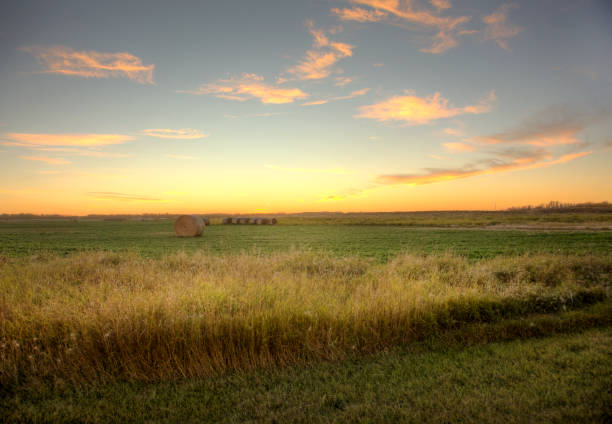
(556, 206)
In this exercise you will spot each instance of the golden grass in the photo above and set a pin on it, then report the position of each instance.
(101, 316)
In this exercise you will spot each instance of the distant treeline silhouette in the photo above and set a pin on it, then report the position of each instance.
(556, 206)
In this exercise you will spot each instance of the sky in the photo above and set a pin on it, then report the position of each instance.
(303, 105)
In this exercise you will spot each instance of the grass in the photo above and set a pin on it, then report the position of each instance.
(156, 238)
(356, 319)
(106, 316)
(560, 379)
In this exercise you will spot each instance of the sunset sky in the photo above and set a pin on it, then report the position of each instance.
(303, 105)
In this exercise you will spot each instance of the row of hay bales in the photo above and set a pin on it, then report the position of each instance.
(193, 225)
(253, 221)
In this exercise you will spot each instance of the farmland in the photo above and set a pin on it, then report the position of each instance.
(356, 314)
(155, 238)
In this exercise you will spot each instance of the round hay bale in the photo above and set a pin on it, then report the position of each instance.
(206, 221)
(257, 221)
(227, 221)
(265, 221)
(189, 226)
(273, 221)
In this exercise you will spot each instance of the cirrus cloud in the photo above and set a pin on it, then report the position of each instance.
(180, 134)
(72, 139)
(414, 110)
(318, 63)
(437, 175)
(249, 86)
(498, 28)
(64, 60)
(447, 29)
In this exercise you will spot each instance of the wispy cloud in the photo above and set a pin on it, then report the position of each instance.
(181, 134)
(338, 171)
(352, 95)
(414, 110)
(319, 61)
(76, 140)
(441, 4)
(315, 103)
(459, 147)
(342, 81)
(249, 86)
(64, 60)
(447, 29)
(437, 157)
(359, 14)
(437, 175)
(498, 28)
(111, 195)
(81, 152)
(453, 131)
(46, 159)
(555, 125)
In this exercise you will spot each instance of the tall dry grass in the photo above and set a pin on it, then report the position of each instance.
(100, 316)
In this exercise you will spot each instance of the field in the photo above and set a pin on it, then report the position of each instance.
(315, 319)
(156, 238)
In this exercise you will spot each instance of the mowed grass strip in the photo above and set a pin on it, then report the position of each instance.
(104, 316)
(551, 380)
(157, 238)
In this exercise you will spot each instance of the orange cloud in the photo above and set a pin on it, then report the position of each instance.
(353, 94)
(250, 86)
(555, 125)
(76, 140)
(318, 63)
(81, 152)
(50, 161)
(498, 28)
(64, 60)
(342, 81)
(440, 4)
(358, 14)
(315, 103)
(447, 28)
(459, 147)
(415, 110)
(181, 134)
(436, 175)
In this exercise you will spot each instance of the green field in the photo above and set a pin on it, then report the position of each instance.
(557, 379)
(303, 322)
(155, 238)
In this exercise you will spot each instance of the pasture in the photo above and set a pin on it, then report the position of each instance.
(157, 238)
(345, 316)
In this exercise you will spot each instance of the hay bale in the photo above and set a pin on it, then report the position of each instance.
(206, 221)
(273, 221)
(227, 221)
(189, 226)
(257, 221)
(265, 221)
